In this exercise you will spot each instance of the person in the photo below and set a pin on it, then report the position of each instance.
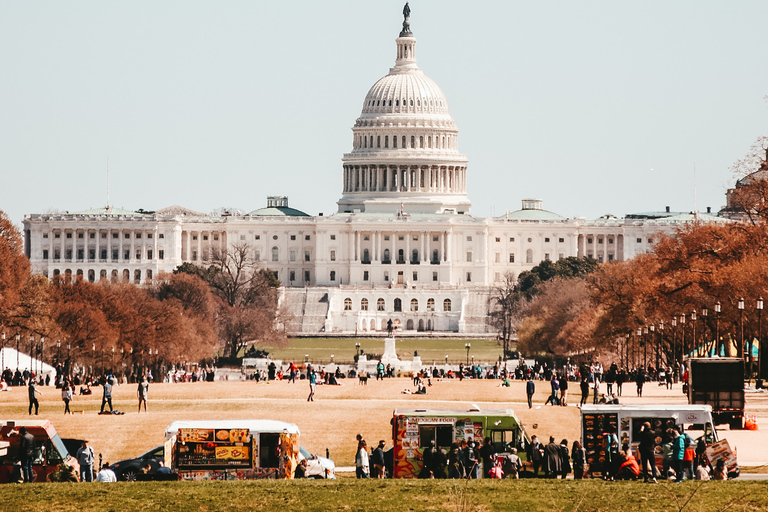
(312, 385)
(106, 474)
(292, 370)
(678, 448)
(85, 458)
(667, 453)
(142, 392)
(439, 463)
(720, 473)
(454, 461)
(689, 454)
(301, 469)
(579, 460)
(162, 469)
(565, 465)
(629, 469)
(377, 459)
(647, 456)
(427, 463)
(27, 454)
(553, 467)
(380, 371)
(107, 396)
(487, 455)
(361, 460)
(702, 472)
(66, 396)
(537, 454)
(32, 389)
(554, 384)
(612, 457)
(530, 389)
(471, 461)
(563, 389)
(620, 380)
(512, 464)
(584, 391)
(640, 380)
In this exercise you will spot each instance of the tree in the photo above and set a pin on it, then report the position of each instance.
(506, 303)
(14, 266)
(749, 198)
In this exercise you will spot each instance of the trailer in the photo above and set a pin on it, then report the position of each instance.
(414, 430)
(624, 421)
(719, 382)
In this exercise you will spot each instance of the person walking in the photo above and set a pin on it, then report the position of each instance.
(107, 396)
(361, 460)
(66, 396)
(33, 391)
(647, 456)
(27, 455)
(530, 389)
(312, 385)
(85, 458)
(584, 391)
(563, 381)
(143, 392)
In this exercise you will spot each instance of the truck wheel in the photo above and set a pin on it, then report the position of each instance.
(737, 423)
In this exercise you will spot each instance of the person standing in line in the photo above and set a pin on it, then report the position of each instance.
(537, 454)
(32, 389)
(85, 458)
(66, 396)
(143, 392)
(312, 385)
(107, 396)
(361, 460)
(530, 389)
(377, 458)
(579, 461)
(647, 457)
(27, 455)
(552, 454)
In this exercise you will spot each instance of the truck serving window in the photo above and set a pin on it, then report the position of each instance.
(503, 440)
(442, 434)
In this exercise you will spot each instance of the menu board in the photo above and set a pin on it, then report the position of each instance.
(595, 427)
(213, 447)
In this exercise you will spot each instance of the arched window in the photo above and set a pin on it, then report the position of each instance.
(400, 256)
(430, 304)
(409, 325)
(364, 305)
(529, 256)
(378, 141)
(394, 141)
(415, 256)
(275, 254)
(435, 258)
(137, 276)
(398, 305)
(366, 256)
(421, 141)
(447, 305)
(414, 305)
(347, 304)
(429, 142)
(403, 144)
(386, 141)
(413, 141)
(386, 256)
(380, 304)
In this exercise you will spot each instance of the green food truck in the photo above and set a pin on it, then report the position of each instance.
(413, 431)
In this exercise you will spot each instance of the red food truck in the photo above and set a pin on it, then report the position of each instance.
(49, 450)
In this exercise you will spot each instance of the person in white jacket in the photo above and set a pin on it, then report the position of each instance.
(361, 460)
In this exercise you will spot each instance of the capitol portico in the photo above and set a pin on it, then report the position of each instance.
(402, 246)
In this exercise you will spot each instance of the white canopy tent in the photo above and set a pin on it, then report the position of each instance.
(8, 358)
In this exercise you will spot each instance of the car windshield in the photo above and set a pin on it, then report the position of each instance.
(304, 453)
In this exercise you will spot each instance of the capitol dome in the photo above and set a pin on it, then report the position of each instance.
(405, 156)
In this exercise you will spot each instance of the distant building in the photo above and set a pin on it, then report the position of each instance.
(403, 245)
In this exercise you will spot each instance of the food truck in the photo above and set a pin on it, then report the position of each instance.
(413, 431)
(232, 449)
(49, 450)
(625, 421)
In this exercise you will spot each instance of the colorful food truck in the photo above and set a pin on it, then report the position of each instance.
(625, 421)
(232, 449)
(49, 450)
(413, 431)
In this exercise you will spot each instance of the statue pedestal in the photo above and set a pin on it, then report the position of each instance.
(390, 354)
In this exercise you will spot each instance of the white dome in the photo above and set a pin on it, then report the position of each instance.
(405, 93)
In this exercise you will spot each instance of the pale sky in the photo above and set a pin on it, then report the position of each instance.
(594, 107)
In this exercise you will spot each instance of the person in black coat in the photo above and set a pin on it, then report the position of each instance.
(553, 466)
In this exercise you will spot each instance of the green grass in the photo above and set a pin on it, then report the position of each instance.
(380, 495)
(320, 349)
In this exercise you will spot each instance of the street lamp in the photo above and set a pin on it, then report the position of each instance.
(357, 348)
(42, 353)
(31, 348)
(58, 351)
(638, 341)
(652, 328)
(18, 338)
(674, 339)
(761, 365)
(693, 323)
(717, 328)
(740, 348)
(704, 314)
(467, 346)
(644, 343)
(682, 341)
(2, 351)
(660, 343)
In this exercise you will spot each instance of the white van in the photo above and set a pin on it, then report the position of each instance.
(239, 450)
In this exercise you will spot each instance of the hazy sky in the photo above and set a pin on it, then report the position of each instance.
(594, 107)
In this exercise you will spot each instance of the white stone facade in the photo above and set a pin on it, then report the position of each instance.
(403, 245)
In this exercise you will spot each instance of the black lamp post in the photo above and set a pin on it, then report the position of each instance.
(682, 341)
(704, 314)
(18, 338)
(357, 349)
(42, 354)
(740, 348)
(467, 346)
(2, 351)
(674, 339)
(759, 339)
(717, 328)
(644, 343)
(638, 343)
(694, 343)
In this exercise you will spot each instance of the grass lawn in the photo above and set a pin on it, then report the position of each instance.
(319, 350)
(380, 495)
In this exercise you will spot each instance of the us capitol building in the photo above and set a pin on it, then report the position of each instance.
(402, 246)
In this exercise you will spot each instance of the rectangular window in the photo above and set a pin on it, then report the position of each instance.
(138, 255)
(386, 237)
(306, 255)
(161, 254)
(498, 257)
(293, 237)
(610, 240)
(292, 275)
(79, 254)
(589, 240)
(333, 237)
(194, 255)
(114, 254)
(599, 240)
(138, 235)
(365, 275)
(561, 240)
(45, 254)
(115, 235)
(92, 254)
(69, 235)
(205, 237)
(56, 255)
(400, 237)
(386, 276)
(45, 235)
(512, 239)
(57, 235)
(306, 237)
(415, 237)
(415, 276)
(546, 256)
(366, 237)
(333, 255)
(639, 240)
(435, 238)
(469, 256)
(511, 257)
(293, 255)
(257, 255)
(127, 255)
(333, 275)
(650, 240)
(149, 254)
(546, 239)
(128, 235)
(497, 277)
(69, 254)
(242, 237)
(469, 239)
(216, 237)
(469, 277)
(103, 254)
(80, 235)
(258, 237)
(498, 239)
(92, 235)
(306, 275)
(610, 257)
(434, 276)
(149, 235)
(161, 235)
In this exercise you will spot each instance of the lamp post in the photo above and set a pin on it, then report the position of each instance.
(42, 354)
(674, 339)
(652, 328)
(31, 348)
(58, 351)
(467, 346)
(638, 342)
(740, 348)
(717, 328)
(660, 343)
(682, 341)
(644, 343)
(760, 364)
(704, 314)
(357, 349)
(18, 338)
(693, 323)
(2, 351)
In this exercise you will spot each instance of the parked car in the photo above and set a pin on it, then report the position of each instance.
(317, 467)
(127, 470)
